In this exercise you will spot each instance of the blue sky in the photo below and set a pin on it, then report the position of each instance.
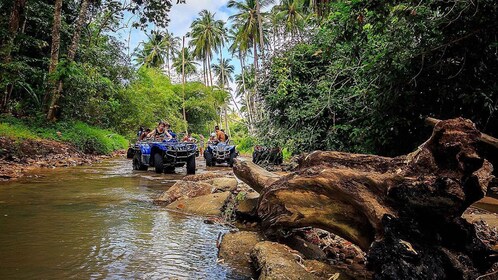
(181, 17)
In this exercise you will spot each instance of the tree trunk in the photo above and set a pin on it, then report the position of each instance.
(14, 20)
(405, 212)
(260, 27)
(246, 95)
(77, 30)
(169, 68)
(209, 68)
(70, 56)
(183, 81)
(56, 40)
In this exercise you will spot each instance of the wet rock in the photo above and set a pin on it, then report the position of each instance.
(183, 190)
(206, 205)
(203, 177)
(235, 251)
(277, 261)
(308, 249)
(247, 207)
(224, 184)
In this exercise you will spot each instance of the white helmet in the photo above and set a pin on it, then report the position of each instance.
(213, 134)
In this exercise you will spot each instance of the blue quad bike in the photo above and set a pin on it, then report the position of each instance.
(217, 153)
(164, 155)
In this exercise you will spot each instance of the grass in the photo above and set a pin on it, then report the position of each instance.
(86, 138)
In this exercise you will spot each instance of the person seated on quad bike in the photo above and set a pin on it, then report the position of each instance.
(213, 139)
(144, 134)
(226, 136)
(161, 131)
(220, 135)
(188, 138)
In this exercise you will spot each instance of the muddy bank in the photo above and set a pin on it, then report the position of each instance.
(19, 157)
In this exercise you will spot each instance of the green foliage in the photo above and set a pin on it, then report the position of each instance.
(85, 138)
(375, 70)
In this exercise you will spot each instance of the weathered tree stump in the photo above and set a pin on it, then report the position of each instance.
(405, 212)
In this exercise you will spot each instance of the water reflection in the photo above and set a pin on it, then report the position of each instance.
(99, 223)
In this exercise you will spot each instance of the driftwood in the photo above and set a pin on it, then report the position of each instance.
(405, 212)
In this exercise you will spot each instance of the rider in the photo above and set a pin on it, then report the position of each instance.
(220, 135)
(188, 138)
(161, 131)
(144, 134)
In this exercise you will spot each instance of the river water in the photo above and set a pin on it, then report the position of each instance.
(98, 222)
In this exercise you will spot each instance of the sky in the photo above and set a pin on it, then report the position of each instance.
(181, 16)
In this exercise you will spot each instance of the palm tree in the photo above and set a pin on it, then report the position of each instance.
(223, 71)
(156, 52)
(291, 13)
(190, 63)
(208, 36)
(172, 45)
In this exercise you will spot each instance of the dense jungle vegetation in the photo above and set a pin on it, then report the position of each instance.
(343, 75)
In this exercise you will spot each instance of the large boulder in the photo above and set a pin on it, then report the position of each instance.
(235, 251)
(183, 190)
(224, 183)
(206, 205)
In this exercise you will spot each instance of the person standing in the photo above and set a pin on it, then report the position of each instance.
(201, 144)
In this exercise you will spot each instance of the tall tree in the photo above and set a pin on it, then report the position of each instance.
(156, 51)
(208, 35)
(291, 13)
(55, 46)
(187, 62)
(14, 20)
(70, 57)
(172, 45)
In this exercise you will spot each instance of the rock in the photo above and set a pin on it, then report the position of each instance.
(225, 184)
(235, 250)
(277, 261)
(247, 207)
(183, 190)
(308, 249)
(203, 177)
(325, 271)
(207, 205)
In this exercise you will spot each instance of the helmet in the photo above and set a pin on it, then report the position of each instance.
(213, 134)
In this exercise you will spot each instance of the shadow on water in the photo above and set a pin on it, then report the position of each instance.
(99, 222)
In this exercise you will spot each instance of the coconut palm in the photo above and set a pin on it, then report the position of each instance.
(291, 13)
(160, 49)
(190, 63)
(153, 52)
(208, 36)
(172, 45)
(223, 71)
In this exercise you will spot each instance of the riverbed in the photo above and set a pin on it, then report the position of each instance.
(96, 222)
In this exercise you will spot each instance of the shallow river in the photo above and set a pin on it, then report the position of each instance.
(98, 222)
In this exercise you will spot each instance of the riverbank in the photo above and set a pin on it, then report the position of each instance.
(26, 144)
(18, 158)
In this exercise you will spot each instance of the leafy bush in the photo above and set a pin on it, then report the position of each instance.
(86, 138)
(374, 70)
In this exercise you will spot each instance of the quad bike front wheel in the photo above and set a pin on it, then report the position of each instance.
(209, 158)
(158, 163)
(137, 162)
(191, 165)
